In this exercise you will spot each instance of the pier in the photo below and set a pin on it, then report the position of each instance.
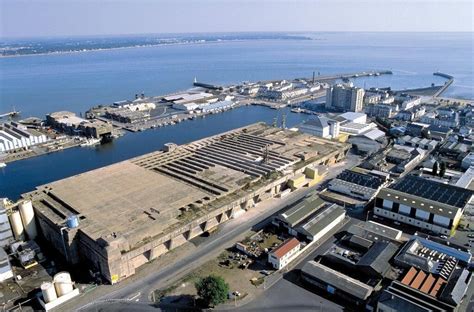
(10, 114)
(446, 84)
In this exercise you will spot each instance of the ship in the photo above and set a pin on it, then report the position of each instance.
(90, 142)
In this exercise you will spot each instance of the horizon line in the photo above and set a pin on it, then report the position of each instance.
(231, 32)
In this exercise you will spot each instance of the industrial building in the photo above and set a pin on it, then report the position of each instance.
(163, 199)
(190, 101)
(284, 254)
(345, 98)
(355, 117)
(310, 218)
(14, 135)
(422, 203)
(369, 142)
(5, 267)
(359, 183)
(6, 235)
(71, 124)
(437, 278)
(336, 283)
(374, 231)
(322, 127)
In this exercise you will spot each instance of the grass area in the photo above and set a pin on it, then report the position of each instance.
(242, 280)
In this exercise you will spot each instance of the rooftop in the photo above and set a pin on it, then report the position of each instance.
(317, 223)
(378, 257)
(285, 247)
(301, 210)
(435, 191)
(337, 280)
(359, 178)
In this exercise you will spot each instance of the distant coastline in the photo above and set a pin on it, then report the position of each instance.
(66, 46)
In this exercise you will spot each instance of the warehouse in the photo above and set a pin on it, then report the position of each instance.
(14, 135)
(310, 218)
(163, 199)
(335, 283)
(422, 203)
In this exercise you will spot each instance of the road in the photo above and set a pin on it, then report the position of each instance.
(140, 289)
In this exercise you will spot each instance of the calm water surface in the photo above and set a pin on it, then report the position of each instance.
(37, 85)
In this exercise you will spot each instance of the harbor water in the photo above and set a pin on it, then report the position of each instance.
(37, 85)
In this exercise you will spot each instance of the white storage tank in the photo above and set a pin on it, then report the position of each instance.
(28, 217)
(48, 291)
(17, 225)
(63, 283)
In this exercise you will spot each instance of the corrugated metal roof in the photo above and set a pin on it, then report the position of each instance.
(321, 221)
(337, 280)
(302, 210)
(374, 134)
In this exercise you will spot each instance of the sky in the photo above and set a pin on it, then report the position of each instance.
(37, 18)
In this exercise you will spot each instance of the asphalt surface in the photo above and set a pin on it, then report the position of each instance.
(139, 290)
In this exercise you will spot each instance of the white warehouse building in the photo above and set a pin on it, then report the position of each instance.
(14, 135)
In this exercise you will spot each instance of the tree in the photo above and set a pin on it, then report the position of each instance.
(442, 169)
(212, 289)
(435, 168)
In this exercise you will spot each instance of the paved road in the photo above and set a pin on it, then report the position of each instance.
(139, 290)
(286, 296)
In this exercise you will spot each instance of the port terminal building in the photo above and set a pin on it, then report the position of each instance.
(116, 218)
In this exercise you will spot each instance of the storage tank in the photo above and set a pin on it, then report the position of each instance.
(28, 217)
(72, 222)
(48, 291)
(17, 225)
(62, 283)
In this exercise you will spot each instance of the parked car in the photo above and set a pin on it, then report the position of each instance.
(444, 237)
(470, 235)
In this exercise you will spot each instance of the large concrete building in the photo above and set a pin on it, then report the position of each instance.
(345, 98)
(134, 211)
(423, 203)
(71, 124)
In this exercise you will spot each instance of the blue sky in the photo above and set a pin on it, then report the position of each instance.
(30, 18)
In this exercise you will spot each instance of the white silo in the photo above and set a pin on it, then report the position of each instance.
(63, 283)
(17, 225)
(28, 216)
(48, 291)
